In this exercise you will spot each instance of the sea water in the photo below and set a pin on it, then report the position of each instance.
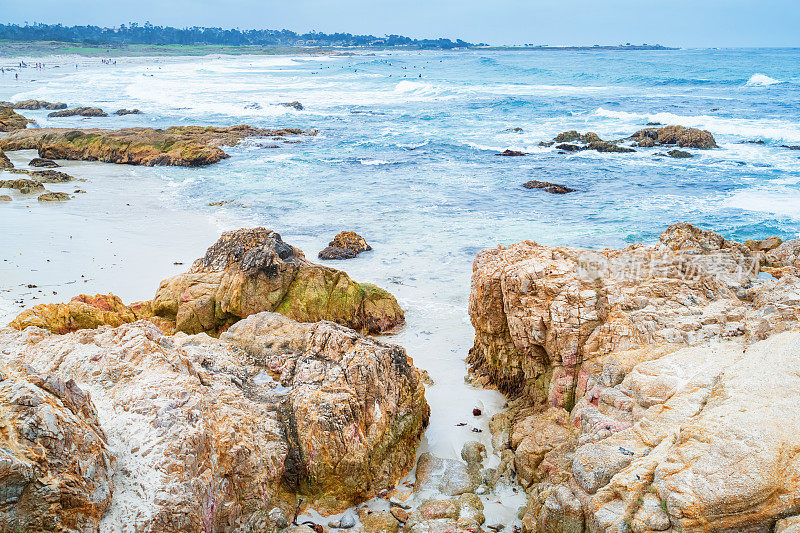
(405, 156)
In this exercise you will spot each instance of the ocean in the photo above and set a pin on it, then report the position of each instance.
(405, 156)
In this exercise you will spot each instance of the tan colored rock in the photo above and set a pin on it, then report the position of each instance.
(11, 121)
(230, 434)
(345, 245)
(253, 270)
(648, 399)
(54, 197)
(764, 245)
(5, 162)
(788, 525)
(56, 469)
(175, 146)
(5, 198)
(437, 476)
(378, 521)
(784, 260)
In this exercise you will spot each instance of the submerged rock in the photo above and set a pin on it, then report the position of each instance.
(345, 245)
(123, 111)
(43, 163)
(233, 434)
(39, 104)
(23, 185)
(675, 135)
(512, 153)
(246, 272)
(586, 141)
(12, 121)
(295, 105)
(57, 468)
(79, 111)
(54, 197)
(189, 146)
(44, 176)
(679, 154)
(552, 188)
(646, 393)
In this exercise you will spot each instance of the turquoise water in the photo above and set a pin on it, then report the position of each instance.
(408, 161)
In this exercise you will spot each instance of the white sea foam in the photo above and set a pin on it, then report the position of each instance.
(757, 80)
(781, 201)
(373, 162)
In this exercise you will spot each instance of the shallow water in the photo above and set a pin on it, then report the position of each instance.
(409, 163)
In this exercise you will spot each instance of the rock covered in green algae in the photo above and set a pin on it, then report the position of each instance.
(189, 146)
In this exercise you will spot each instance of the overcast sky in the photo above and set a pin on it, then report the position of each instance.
(689, 23)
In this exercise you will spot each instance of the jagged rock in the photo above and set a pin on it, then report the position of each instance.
(123, 111)
(5, 162)
(679, 154)
(648, 392)
(784, 259)
(378, 521)
(608, 147)
(43, 163)
(11, 121)
(765, 245)
(79, 111)
(39, 104)
(675, 135)
(82, 312)
(587, 141)
(345, 245)
(231, 433)
(253, 270)
(511, 153)
(57, 470)
(295, 105)
(189, 146)
(54, 197)
(552, 188)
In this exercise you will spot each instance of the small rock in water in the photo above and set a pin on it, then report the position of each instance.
(511, 153)
(679, 154)
(40, 162)
(552, 188)
(345, 245)
(296, 105)
(476, 412)
(476, 430)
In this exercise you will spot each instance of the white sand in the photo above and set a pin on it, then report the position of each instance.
(120, 236)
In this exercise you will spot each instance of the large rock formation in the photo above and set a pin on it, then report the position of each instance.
(245, 272)
(189, 146)
(10, 120)
(55, 471)
(236, 433)
(38, 104)
(5, 162)
(646, 396)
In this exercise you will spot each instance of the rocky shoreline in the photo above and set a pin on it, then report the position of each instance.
(650, 389)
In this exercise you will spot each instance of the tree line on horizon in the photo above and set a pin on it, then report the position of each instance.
(147, 33)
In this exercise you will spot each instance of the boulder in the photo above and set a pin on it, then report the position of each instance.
(237, 433)
(675, 135)
(44, 176)
(252, 270)
(765, 245)
(784, 259)
(573, 136)
(552, 188)
(5, 198)
(82, 312)
(79, 111)
(511, 153)
(11, 121)
(645, 381)
(43, 163)
(189, 146)
(437, 476)
(39, 104)
(345, 245)
(57, 468)
(54, 197)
